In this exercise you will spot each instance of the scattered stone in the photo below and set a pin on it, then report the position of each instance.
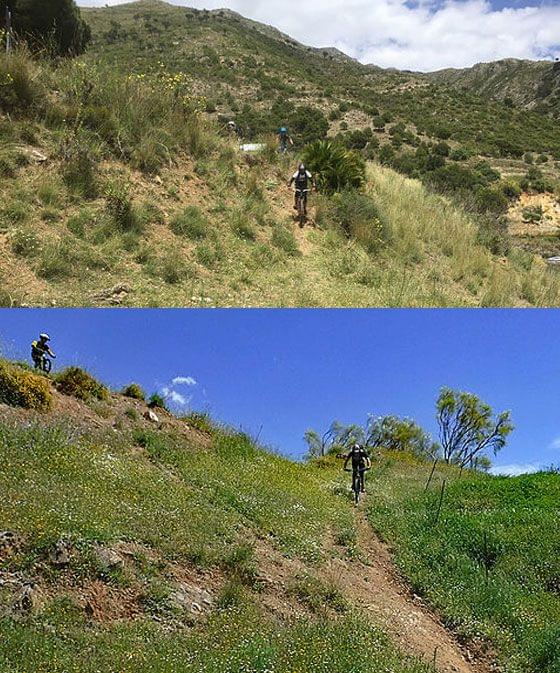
(108, 559)
(114, 295)
(9, 542)
(191, 598)
(158, 180)
(61, 554)
(30, 599)
(151, 416)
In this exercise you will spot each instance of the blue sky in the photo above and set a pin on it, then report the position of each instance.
(409, 34)
(287, 370)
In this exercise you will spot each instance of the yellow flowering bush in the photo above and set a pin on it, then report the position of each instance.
(22, 388)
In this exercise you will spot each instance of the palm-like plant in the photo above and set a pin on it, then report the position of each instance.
(337, 168)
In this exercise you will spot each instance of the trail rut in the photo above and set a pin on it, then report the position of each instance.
(373, 585)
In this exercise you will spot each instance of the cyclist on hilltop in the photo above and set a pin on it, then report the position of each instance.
(301, 178)
(284, 140)
(360, 463)
(40, 349)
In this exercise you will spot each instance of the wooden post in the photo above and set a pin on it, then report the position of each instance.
(8, 29)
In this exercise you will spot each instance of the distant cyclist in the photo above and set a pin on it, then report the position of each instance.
(361, 462)
(284, 140)
(302, 178)
(39, 351)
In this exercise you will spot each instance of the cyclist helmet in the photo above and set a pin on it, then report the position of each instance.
(231, 124)
(302, 168)
(44, 337)
(283, 129)
(356, 447)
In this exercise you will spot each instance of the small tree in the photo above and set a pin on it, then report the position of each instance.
(468, 428)
(338, 437)
(49, 24)
(400, 434)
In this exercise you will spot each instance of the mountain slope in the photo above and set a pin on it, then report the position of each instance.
(123, 188)
(530, 84)
(137, 543)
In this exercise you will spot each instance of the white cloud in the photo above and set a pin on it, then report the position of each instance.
(555, 444)
(176, 398)
(184, 381)
(516, 469)
(395, 33)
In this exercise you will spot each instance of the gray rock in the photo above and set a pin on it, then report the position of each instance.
(61, 554)
(30, 599)
(108, 559)
(151, 416)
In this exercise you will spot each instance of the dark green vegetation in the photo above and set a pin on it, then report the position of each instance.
(490, 562)
(53, 26)
(533, 84)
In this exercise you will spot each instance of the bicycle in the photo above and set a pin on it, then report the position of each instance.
(301, 199)
(43, 364)
(357, 476)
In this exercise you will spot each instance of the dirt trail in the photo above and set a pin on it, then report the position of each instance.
(374, 586)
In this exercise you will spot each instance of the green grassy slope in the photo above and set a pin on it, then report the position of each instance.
(113, 527)
(202, 507)
(490, 564)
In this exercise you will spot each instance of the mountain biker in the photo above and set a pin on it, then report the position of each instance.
(39, 349)
(284, 139)
(302, 177)
(360, 463)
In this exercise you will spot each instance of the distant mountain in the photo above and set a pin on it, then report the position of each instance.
(530, 84)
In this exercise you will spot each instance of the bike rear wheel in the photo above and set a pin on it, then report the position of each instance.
(47, 365)
(302, 216)
(356, 489)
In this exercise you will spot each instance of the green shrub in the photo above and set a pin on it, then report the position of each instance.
(14, 212)
(200, 421)
(78, 169)
(134, 391)
(120, 208)
(20, 87)
(156, 401)
(76, 382)
(171, 266)
(59, 259)
(242, 226)
(191, 222)
(336, 168)
(534, 214)
(357, 217)
(510, 189)
(21, 388)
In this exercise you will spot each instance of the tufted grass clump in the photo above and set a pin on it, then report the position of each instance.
(76, 382)
(191, 223)
(22, 388)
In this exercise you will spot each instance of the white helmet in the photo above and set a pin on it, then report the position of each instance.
(44, 337)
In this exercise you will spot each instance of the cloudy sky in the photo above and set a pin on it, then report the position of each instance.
(409, 34)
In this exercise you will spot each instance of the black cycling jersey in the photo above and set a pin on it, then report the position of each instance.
(359, 459)
(302, 179)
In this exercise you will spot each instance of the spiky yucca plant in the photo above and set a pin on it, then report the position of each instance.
(336, 168)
